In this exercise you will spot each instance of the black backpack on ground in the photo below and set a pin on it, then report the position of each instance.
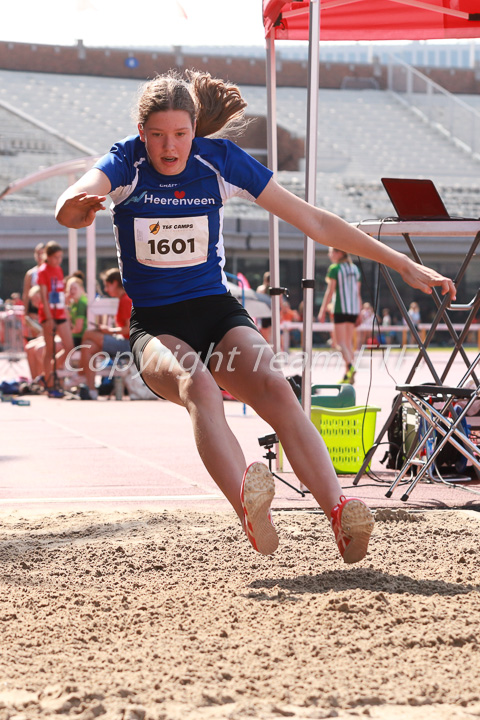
(395, 455)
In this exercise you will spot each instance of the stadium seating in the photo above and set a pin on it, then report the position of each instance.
(362, 136)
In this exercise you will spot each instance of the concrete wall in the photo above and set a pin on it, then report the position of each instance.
(114, 62)
(142, 64)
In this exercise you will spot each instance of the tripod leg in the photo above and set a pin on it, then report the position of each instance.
(270, 456)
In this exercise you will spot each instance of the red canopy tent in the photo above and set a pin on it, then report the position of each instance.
(341, 20)
(375, 19)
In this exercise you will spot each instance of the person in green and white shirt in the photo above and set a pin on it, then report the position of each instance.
(344, 292)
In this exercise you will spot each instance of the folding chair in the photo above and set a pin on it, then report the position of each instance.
(442, 305)
(448, 422)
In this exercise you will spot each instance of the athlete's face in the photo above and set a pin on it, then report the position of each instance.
(168, 137)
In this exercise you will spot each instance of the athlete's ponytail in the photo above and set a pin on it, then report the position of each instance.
(220, 105)
(216, 106)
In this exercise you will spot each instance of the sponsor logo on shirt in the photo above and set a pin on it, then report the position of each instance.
(179, 198)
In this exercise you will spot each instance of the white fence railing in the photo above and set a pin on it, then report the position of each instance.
(401, 331)
(442, 110)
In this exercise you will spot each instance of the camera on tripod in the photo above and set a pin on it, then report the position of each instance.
(268, 441)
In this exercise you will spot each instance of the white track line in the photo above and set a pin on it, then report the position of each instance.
(110, 499)
(138, 458)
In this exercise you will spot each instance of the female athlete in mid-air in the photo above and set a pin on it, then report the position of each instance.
(168, 185)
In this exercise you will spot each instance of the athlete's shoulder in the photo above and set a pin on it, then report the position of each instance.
(219, 150)
(129, 144)
(129, 150)
(233, 164)
(210, 145)
(121, 163)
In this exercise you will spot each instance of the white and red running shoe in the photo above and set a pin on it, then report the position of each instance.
(352, 523)
(257, 493)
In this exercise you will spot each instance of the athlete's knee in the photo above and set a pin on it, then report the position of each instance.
(198, 389)
(272, 391)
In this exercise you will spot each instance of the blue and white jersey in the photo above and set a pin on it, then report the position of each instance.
(169, 228)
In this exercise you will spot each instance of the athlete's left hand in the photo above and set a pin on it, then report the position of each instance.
(425, 278)
(79, 211)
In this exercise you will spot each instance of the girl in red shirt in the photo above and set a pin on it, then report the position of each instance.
(52, 314)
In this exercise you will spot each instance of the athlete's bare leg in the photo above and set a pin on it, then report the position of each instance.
(252, 378)
(172, 369)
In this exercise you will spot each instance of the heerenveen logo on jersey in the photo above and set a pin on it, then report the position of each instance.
(178, 198)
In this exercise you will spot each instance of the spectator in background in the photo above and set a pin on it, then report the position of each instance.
(35, 346)
(366, 326)
(386, 324)
(297, 334)
(287, 314)
(414, 315)
(343, 290)
(80, 275)
(52, 315)
(16, 299)
(31, 279)
(31, 327)
(110, 340)
(78, 302)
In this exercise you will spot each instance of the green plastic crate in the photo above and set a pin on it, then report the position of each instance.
(343, 395)
(349, 433)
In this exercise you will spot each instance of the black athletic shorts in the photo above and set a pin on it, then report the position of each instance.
(57, 322)
(339, 318)
(201, 322)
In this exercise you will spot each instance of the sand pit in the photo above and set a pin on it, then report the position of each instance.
(143, 616)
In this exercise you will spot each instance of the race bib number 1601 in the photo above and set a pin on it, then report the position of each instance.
(171, 242)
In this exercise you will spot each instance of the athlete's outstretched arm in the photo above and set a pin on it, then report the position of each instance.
(79, 204)
(328, 229)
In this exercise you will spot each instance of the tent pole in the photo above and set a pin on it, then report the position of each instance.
(91, 267)
(310, 197)
(72, 250)
(72, 241)
(273, 165)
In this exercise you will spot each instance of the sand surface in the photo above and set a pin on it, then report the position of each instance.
(172, 615)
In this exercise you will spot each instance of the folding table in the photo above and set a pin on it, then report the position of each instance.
(430, 229)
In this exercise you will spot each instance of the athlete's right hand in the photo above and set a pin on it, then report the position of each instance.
(79, 210)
